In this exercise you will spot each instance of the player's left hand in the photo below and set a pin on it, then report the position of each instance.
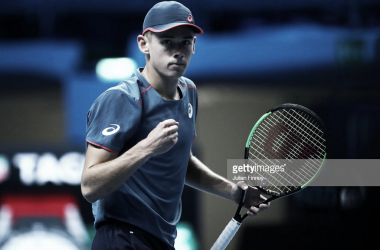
(252, 198)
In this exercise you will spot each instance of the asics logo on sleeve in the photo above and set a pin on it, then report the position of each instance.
(190, 110)
(111, 130)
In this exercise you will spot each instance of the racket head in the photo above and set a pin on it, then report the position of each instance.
(288, 132)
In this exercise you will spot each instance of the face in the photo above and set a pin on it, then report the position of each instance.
(170, 51)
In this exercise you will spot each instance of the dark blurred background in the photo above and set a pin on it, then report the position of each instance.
(253, 55)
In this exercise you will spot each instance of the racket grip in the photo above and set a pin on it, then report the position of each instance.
(226, 236)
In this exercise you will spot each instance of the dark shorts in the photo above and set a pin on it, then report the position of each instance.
(116, 235)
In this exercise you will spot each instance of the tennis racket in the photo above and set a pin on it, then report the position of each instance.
(289, 132)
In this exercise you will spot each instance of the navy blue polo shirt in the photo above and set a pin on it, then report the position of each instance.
(121, 117)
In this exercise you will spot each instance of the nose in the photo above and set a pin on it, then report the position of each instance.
(179, 50)
(179, 54)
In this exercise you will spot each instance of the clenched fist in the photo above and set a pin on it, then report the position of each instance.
(163, 137)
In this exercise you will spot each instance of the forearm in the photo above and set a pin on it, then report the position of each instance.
(199, 176)
(104, 172)
(100, 180)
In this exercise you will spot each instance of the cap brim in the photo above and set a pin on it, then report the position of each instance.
(164, 27)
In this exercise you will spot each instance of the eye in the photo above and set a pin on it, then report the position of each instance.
(167, 42)
(187, 42)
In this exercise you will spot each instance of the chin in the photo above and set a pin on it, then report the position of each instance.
(176, 73)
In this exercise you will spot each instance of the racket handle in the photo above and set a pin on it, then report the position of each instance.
(226, 236)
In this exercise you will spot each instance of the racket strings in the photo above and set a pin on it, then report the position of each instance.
(260, 155)
(273, 163)
(289, 139)
(297, 149)
(276, 136)
(311, 124)
(282, 156)
(281, 187)
(310, 142)
(303, 151)
(305, 126)
(263, 156)
(276, 144)
(279, 154)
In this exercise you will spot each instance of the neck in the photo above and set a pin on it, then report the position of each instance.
(165, 86)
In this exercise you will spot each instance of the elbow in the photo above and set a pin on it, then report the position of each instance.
(88, 194)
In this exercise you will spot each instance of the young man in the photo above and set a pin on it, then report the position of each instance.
(139, 136)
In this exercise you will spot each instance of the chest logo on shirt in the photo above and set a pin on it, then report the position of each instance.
(190, 110)
(111, 130)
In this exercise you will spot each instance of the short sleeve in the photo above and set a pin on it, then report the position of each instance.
(112, 120)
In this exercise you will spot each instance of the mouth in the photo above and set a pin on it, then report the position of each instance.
(177, 64)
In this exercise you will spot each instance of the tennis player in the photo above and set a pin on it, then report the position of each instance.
(139, 136)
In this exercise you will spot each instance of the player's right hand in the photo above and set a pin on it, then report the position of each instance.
(163, 137)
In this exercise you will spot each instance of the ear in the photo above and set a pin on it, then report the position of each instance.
(143, 44)
(195, 39)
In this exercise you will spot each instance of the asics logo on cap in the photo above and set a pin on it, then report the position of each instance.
(190, 18)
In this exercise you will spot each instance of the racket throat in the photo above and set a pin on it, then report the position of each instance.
(237, 216)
